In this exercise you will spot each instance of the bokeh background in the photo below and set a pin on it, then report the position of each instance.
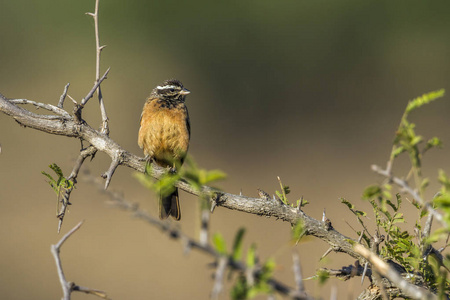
(311, 91)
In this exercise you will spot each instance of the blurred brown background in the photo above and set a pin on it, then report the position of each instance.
(311, 91)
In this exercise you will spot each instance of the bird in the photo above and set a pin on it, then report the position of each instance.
(164, 136)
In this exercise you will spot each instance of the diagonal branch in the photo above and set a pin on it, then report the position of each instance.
(406, 187)
(257, 206)
(174, 232)
(390, 273)
(67, 286)
(105, 127)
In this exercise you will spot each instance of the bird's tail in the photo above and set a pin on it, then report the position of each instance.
(170, 206)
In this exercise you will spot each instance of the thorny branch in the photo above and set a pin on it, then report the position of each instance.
(259, 206)
(189, 243)
(99, 142)
(67, 286)
(105, 127)
(65, 124)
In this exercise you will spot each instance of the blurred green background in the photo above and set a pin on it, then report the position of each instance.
(311, 91)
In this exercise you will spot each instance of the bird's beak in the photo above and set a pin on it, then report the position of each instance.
(185, 91)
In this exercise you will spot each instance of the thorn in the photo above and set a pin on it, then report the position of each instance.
(108, 180)
(102, 47)
(59, 225)
(326, 253)
(364, 272)
(300, 204)
(240, 193)
(90, 14)
(361, 236)
(324, 217)
(263, 195)
(73, 100)
(213, 206)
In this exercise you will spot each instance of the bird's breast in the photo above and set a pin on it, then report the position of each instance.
(164, 133)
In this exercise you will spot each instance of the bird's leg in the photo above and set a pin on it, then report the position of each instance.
(148, 161)
(173, 169)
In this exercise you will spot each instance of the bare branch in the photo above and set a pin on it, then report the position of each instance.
(105, 127)
(297, 272)
(48, 107)
(112, 168)
(94, 88)
(68, 286)
(204, 226)
(63, 96)
(257, 206)
(61, 212)
(218, 277)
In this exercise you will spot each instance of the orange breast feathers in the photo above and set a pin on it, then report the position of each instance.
(164, 132)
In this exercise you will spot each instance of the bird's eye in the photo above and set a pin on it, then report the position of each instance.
(172, 90)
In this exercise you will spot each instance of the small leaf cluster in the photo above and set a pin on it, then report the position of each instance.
(60, 184)
(410, 250)
(245, 286)
(282, 195)
(190, 172)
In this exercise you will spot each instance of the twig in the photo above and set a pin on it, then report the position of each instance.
(329, 250)
(218, 278)
(348, 272)
(105, 127)
(204, 227)
(297, 272)
(94, 88)
(112, 168)
(89, 151)
(85, 153)
(387, 271)
(68, 286)
(48, 107)
(405, 186)
(63, 96)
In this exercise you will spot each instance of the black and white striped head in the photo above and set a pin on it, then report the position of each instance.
(171, 90)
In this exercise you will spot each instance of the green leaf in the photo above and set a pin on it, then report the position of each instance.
(424, 184)
(304, 202)
(240, 289)
(323, 276)
(371, 192)
(424, 99)
(59, 184)
(214, 175)
(219, 243)
(251, 256)
(442, 201)
(298, 231)
(356, 212)
(416, 140)
(144, 179)
(445, 181)
(57, 170)
(434, 142)
(237, 245)
(397, 151)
